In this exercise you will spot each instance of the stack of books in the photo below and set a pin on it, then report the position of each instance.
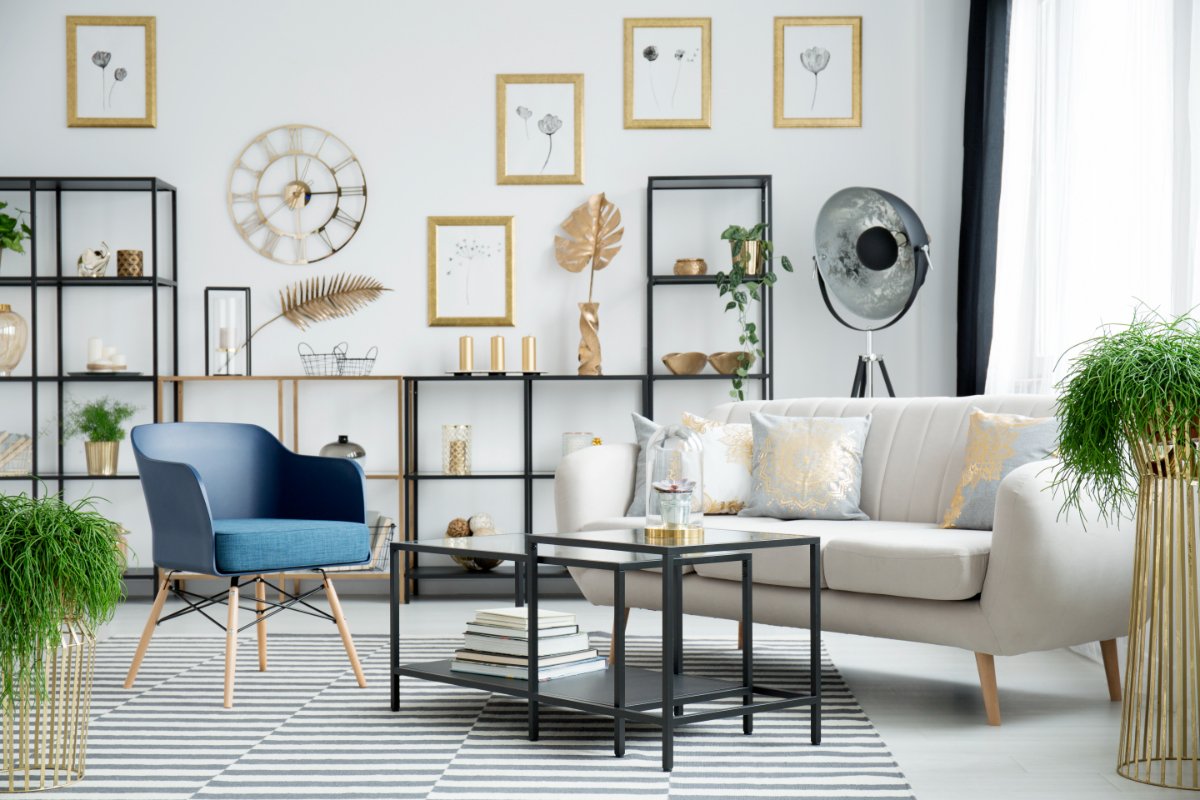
(496, 643)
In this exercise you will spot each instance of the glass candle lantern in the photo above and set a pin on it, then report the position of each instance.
(576, 440)
(456, 449)
(674, 479)
(227, 330)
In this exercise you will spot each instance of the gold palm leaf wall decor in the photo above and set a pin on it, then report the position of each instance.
(593, 236)
(318, 299)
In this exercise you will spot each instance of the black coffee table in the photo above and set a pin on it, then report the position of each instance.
(622, 692)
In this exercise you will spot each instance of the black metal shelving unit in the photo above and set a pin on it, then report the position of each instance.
(655, 281)
(59, 282)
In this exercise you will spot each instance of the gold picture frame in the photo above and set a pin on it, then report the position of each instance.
(450, 310)
(854, 118)
(703, 60)
(506, 159)
(80, 119)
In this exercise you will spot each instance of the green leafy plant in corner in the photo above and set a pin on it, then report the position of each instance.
(1130, 383)
(13, 231)
(58, 561)
(742, 289)
(99, 420)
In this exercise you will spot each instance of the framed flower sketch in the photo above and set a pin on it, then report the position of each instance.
(539, 129)
(668, 73)
(111, 65)
(818, 72)
(470, 271)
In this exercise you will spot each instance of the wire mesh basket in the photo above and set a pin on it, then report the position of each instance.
(336, 362)
(355, 366)
(382, 534)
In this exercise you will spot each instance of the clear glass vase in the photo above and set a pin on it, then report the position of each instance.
(674, 479)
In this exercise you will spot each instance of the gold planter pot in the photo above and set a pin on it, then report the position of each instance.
(589, 339)
(1160, 722)
(45, 738)
(751, 257)
(101, 457)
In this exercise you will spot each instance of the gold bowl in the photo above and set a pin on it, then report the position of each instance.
(726, 363)
(690, 266)
(684, 363)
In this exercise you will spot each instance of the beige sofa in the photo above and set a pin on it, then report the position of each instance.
(1037, 582)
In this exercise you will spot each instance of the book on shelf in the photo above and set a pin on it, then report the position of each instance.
(523, 660)
(511, 617)
(553, 646)
(518, 634)
(521, 673)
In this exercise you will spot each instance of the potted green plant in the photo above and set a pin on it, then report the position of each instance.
(1128, 410)
(749, 253)
(61, 572)
(99, 423)
(13, 231)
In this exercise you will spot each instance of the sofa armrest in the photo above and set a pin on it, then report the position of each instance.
(594, 483)
(1051, 582)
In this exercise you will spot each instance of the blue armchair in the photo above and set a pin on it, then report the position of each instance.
(229, 500)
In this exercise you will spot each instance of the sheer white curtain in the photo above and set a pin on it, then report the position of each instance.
(1100, 188)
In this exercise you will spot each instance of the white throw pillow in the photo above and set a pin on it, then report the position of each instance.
(728, 457)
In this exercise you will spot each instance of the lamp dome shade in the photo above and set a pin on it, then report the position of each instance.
(868, 245)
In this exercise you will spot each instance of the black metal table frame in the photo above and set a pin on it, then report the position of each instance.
(671, 704)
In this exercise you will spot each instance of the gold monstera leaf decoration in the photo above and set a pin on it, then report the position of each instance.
(593, 237)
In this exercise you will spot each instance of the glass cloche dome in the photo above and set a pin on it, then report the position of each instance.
(674, 479)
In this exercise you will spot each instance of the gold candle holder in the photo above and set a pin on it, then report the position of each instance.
(497, 354)
(528, 354)
(456, 449)
(466, 354)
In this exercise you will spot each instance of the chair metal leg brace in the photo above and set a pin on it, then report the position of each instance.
(222, 598)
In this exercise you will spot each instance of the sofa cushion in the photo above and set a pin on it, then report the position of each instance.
(926, 563)
(271, 545)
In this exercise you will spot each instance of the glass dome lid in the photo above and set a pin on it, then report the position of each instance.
(674, 479)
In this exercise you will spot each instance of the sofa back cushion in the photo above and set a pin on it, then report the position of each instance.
(915, 449)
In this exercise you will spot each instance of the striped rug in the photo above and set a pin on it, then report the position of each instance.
(305, 731)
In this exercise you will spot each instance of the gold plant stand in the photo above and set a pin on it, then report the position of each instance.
(45, 738)
(1160, 725)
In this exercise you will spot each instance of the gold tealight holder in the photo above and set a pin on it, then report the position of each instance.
(673, 537)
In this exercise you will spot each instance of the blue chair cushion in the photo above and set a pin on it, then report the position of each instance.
(274, 545)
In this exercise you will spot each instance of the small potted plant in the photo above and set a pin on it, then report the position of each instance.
(13, 231)
(99, 422)
(749, 252)
(61, 567)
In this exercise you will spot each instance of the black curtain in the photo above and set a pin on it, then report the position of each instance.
(983, 149)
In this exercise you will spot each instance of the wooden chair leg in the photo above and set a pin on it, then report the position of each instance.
(260, 596)
(344, 630)
(148, 631)
(624, 624)
(987, 682)
(231, 632)
(1112, 669)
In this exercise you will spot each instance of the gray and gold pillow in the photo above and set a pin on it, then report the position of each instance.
(807, 467)
(996, 445)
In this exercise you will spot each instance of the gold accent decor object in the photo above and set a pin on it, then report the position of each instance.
(320, 299)
(691, 266)
(593, 238)
(107, 64)
(685, 363)
(674, 536)
(528, 354)
(666, 56)
(751, 257)
(14, 335)
(466, 354)
(497, 354)
(456, 449)
(815, 64)
(129, 263)
(447, 308)
(1160, 721)
(727, 363)
(44, 743)
(532, 129)
(101, 457)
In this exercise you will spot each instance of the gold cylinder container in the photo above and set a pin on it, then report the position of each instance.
(456, 449)
(528, 354)
(466, 354)
(101, 457)
(129, 263)
(44, 744)
(497, 354)
(1160, 723)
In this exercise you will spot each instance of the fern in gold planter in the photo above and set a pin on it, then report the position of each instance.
(593, 238)
(319, 299)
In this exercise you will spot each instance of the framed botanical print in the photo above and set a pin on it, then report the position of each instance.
(111, 64)
(818, 72)
(539, 129)
(668, 73)
(470, 271)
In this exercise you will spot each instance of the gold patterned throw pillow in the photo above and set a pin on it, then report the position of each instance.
(728, 449)
(807, 467)
(996, 445)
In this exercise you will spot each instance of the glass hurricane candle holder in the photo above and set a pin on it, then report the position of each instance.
(456, 449)
(674, 479)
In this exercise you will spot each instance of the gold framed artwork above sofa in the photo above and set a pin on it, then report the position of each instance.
(818, 72)
(111, 72)
(470, 271)
(539, 129)
(668, 72)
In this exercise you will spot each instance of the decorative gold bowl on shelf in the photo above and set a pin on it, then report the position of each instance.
(685, 363)
(691, 266)
(726, 363)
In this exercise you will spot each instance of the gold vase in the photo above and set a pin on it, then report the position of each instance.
(45, 738)
(101, 457)
(750, 258)
(589, 339)
(1160, 722)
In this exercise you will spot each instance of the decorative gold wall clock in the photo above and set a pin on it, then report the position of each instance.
(297, 194)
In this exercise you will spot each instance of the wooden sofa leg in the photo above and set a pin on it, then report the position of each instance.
(148, 631)
(1112, 669)
(986, 663)
(231, 634)
(612, 641)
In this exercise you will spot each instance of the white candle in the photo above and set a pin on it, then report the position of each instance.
(110, 353)
(95, 349)
(119, 360)
(225, 338)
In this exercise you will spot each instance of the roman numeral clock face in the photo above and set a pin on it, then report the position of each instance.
(297, 194)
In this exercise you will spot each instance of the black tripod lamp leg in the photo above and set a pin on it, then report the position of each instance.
(860, 380)
(887, 381)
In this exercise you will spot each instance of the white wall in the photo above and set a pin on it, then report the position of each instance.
(410, 87)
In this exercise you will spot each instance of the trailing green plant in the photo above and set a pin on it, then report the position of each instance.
(13, 230)
(98, 420)
(1131, 382)
(742, 289)
(58, 561)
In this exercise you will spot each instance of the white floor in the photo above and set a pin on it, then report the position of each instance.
(1058, 739)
